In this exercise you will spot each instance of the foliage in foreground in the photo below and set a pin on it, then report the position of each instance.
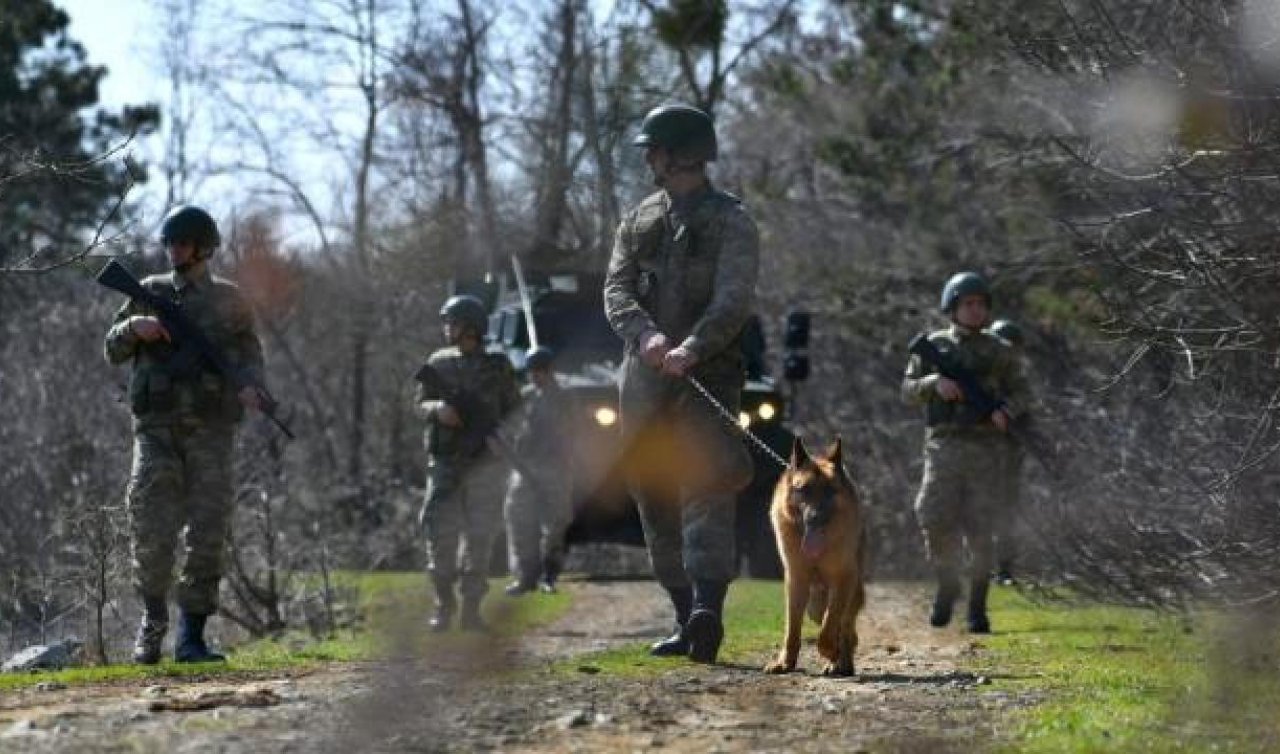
(385, 602)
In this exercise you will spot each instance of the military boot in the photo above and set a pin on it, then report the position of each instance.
(446, 604)
(550, 575)
(978, 622)
(470, 619)
(1004, 573)
(155, 622)
(676, 645)
(705, 629)
(945, 598)
(191, 646)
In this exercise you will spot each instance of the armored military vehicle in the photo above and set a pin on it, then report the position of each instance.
(568, 316)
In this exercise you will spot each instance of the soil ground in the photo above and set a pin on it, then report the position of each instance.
(910, 695)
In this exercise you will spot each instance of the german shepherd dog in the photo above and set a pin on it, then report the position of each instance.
(819, 525)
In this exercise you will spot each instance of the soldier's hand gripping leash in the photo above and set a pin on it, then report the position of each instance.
(480, 423)
(983, 402)
(192, 348)
(733, 422)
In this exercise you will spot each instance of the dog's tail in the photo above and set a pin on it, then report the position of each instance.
(817, 602)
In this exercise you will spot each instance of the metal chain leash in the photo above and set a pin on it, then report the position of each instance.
(733, 421)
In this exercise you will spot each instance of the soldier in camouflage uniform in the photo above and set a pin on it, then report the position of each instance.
(965, 453)
(463, 509)
(539, 505)
(184, 426)
(679, 288)
(1007, 509)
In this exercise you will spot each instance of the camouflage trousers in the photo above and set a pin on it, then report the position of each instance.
(461, 519)
(685, 468)
(181, 481)
(538, 513)
(962, 484)
(1008, 509)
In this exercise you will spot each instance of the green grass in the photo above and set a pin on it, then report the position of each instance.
(383, 603)
(1095, 679)
(753, 625)
(1128, 680)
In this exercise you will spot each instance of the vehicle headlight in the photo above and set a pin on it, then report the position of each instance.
(606, 417)
(767, 411)
(744, 419)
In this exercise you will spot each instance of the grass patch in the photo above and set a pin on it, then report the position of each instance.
(753, 615)
(1130, 680)
(385, 604)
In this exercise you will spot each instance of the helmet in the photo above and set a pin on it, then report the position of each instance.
(1007, 330)
(963, 284)
(686, 131)
(191, 224)
(539, 358)
(466, 310)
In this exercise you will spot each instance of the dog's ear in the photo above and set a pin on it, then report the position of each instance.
(833, 453)
(799, 456)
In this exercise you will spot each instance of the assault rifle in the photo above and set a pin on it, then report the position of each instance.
(192, 348)
(480, 423)
(982, 401)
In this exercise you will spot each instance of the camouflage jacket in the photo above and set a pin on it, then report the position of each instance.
(158, 395)
(486, 376)
(990, 359)
(544, 425)
(687, 270)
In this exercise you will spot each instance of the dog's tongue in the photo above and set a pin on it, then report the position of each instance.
(813, 544)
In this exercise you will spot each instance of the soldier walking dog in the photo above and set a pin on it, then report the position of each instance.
(821, 533)
(678, 291)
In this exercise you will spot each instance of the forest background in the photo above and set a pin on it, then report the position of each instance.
(1111, 166)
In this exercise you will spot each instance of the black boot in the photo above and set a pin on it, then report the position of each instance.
(155, 622)
(191, 646)
(944, 599)
(676, 645)
(978, 623)
(550, 574)
(705, 628)
(470, 619)
(1004, 573)
(446, 604)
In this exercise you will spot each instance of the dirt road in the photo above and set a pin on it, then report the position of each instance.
(909, 696)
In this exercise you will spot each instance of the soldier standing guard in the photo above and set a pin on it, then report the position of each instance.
(1008, 508)
(965, 453)
(465, 480)
(184, 423)
(679, 288)
(539, 505)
